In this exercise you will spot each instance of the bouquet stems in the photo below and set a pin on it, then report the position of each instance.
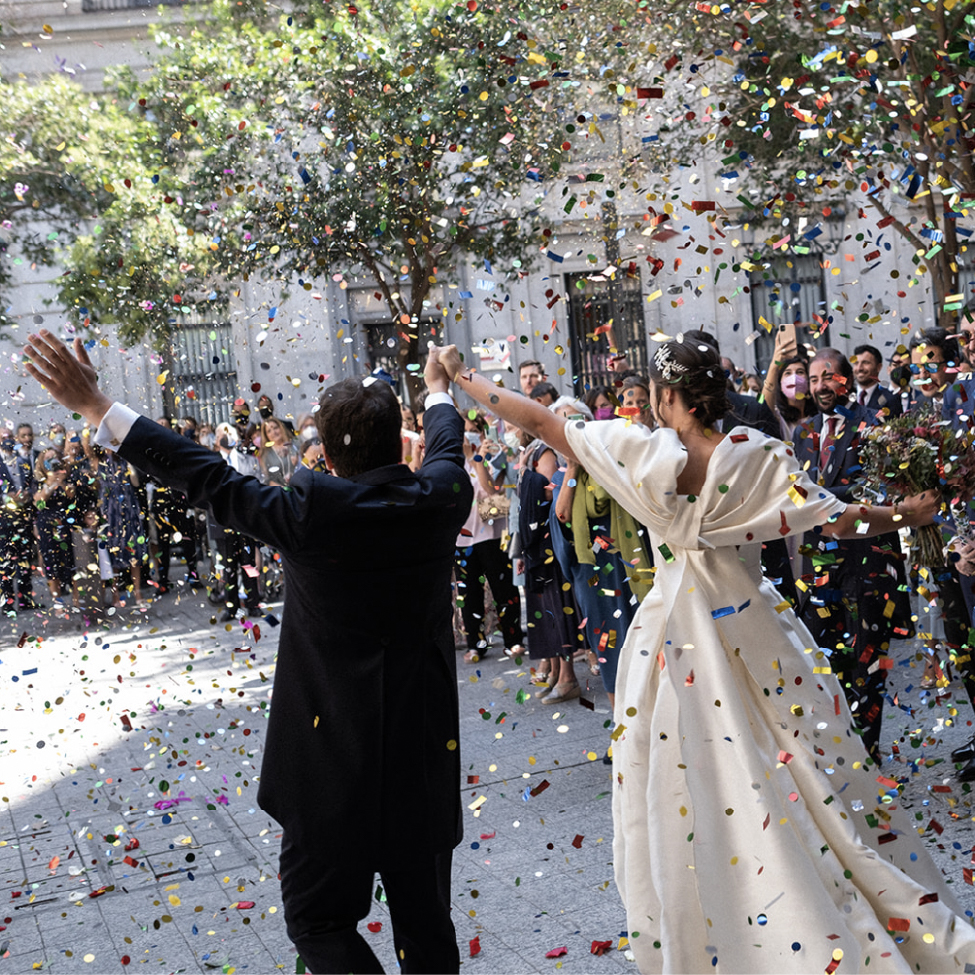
(928, 547)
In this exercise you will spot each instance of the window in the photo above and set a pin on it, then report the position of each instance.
(593, 302)
(204, 372)
(791, 288)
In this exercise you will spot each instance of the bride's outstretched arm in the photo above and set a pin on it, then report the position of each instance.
(864, 520)
(512, 407)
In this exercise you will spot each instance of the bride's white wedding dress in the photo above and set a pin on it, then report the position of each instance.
(751, 834)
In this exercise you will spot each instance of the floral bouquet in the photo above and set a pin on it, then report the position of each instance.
(916, 452)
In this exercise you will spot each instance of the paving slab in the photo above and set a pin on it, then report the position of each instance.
(151, 730)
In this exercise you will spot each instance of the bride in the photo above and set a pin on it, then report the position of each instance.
(752, 831)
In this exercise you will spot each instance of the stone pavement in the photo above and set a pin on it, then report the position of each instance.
(145, 847)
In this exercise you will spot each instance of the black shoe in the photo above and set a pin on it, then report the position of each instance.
(252, 611)
(964, 754)
(967, 774)
(228, 616)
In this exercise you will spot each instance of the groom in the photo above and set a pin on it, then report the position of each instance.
(361, 765)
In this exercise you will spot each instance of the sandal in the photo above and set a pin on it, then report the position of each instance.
(563, 692)
(516, 651)
(475, 656)
(540, 680)
(593, 662)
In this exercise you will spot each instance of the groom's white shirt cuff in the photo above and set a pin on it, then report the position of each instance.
(115, 426)
(437, 399)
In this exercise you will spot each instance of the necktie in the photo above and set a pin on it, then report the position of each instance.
(829, 439)
(863, 397)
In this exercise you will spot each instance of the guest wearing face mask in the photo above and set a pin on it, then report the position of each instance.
(306, 427)
(786, 390)
(265, 406)
(599, 399)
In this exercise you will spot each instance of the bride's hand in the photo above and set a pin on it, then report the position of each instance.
(451, 361)
(920, 508)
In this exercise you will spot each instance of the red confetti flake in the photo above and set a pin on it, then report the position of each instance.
(475, 946)
(541, 787)
(577, 842)
(600, 947)
(966, 873)
(928, 899)
(375, 926)
(785, 758)
(556, 952)
(489, 836)
(125, 960)
(244, 905)
(831, 967)
(936, 826)
(898, 924)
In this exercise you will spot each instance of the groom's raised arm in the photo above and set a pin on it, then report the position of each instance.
(265, 512)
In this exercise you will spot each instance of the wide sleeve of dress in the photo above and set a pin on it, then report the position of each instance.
(757, 491)
(638, 467)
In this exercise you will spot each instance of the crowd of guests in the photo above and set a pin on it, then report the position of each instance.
(104, 536)
(547, 559)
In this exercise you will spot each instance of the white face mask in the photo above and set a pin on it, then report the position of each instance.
(512, 439)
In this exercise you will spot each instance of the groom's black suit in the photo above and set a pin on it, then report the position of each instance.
(361, 763)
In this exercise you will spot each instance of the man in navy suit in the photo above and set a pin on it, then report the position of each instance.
(847, 613)
(16, 525)
(361, 765)
(867, 362)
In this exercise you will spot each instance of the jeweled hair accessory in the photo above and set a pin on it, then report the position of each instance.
(668, 367)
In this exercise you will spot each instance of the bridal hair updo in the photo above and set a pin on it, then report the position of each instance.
(693, 367)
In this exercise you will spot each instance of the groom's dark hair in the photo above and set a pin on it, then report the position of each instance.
(359, 421)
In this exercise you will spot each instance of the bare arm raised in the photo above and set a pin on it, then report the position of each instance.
(523, 412)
